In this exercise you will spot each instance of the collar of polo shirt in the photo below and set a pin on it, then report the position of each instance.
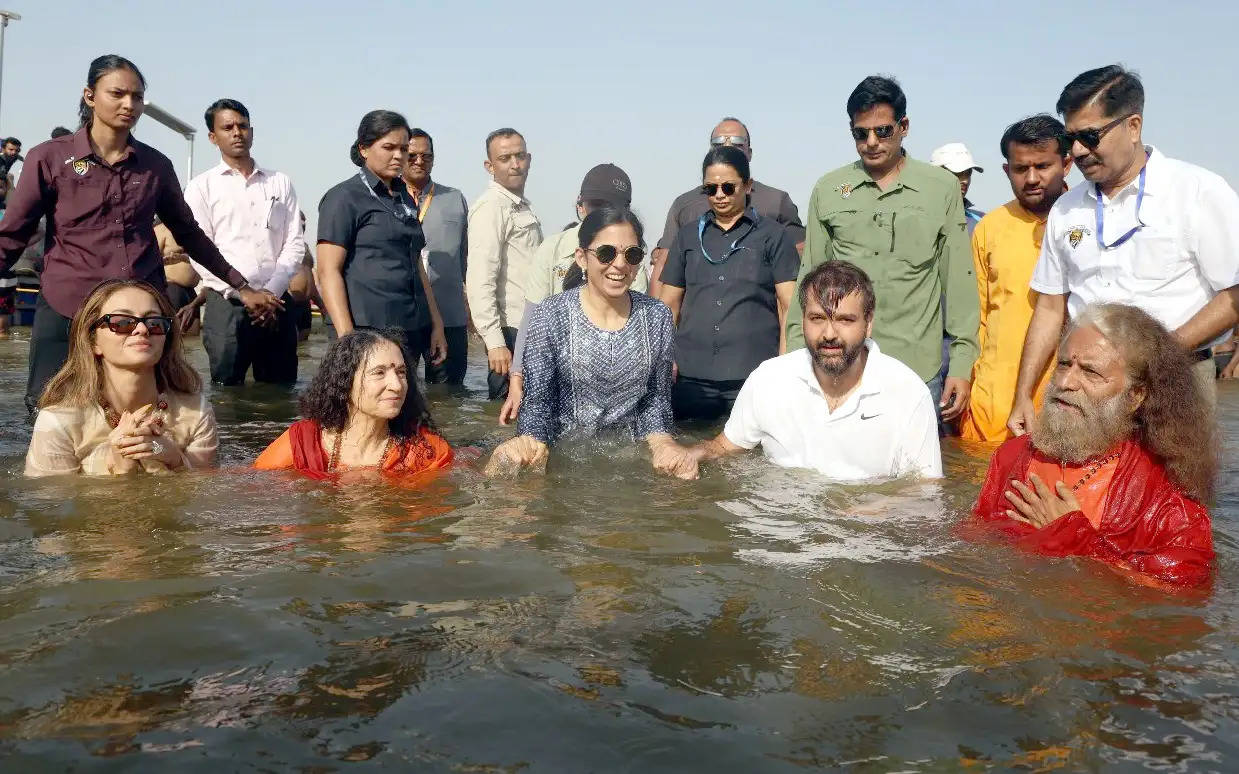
(1152, 164)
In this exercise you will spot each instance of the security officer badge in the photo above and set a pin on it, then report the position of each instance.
(1076, 235)
(81, 167)
(844, 190)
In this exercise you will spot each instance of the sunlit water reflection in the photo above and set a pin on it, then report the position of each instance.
(598, 618)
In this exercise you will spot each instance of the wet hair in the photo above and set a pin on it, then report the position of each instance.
(328, 399)
(1035, 130)
(732, 157)
(223, 104)
(830, 282)
(877, 90)
(12, 141)
(60, 131)
(506, 131)
(416, 132)
(101, 66)
(1174, 422)
(733, 119)
(1116, 89)
(374, 126)
(80, 380)
(598, 219)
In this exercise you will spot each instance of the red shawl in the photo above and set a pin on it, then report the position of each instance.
(427, 451)
(309, 456)
(1148, 525)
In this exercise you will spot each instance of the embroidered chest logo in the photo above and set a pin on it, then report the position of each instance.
(844, 190)
(81, 167)
(1076, 235)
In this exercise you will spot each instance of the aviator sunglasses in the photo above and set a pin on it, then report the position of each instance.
(884, 132)
(125, 324)
(608, 253)
(1091, 138)
(709, 189)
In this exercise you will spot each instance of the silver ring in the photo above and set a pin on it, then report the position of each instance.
(156, 448)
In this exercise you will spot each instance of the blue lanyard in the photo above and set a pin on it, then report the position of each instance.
(735, 246)
(1101, 213)
(407, 211)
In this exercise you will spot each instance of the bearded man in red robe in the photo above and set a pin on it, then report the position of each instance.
(1121, 459)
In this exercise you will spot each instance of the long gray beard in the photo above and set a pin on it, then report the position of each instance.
(1064, 436)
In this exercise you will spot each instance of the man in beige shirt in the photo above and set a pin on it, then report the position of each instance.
(504, 233)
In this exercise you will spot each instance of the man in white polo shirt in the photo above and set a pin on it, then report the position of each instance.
(1145, 230)
(838, 406)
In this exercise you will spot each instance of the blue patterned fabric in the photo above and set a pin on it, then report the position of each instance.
(583, 381)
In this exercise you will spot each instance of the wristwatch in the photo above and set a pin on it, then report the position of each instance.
(232, 293)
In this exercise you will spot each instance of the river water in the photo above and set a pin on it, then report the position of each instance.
(598, 618)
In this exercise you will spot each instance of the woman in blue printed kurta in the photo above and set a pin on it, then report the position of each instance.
(598, 356)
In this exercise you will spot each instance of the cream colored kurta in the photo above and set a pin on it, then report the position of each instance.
(74, 439)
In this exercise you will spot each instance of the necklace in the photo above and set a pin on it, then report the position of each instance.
(335, 451)
(1093, 468)
(113, 416)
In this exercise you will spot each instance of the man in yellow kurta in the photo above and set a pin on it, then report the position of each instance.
(1005, 248)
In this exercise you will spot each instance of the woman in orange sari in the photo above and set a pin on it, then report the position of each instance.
(362, 411)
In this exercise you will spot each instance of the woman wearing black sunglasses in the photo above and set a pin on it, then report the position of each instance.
(598, 355)
(126, 401)
(729, 280)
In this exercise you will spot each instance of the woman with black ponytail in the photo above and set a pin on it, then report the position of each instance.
(370, 270)
(100, 190)
(598, 355)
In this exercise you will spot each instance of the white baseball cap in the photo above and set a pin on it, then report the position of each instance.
(955, 157)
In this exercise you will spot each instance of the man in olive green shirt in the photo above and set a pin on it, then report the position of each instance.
(902, 221)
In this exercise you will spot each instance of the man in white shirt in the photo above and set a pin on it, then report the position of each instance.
(251, 214)
(838, 406)
(1144, 230)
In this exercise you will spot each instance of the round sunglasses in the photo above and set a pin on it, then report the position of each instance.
(125, 324)
(608, 253)
(709, 189)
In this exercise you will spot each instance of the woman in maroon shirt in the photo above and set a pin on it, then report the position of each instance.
(100, 190)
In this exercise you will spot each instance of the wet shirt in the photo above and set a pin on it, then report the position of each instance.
(101, 219)
(444, 216)
(729, 318)
(1005, 246)
(911, 239)
(75, 439)
(383, 242)
(582, 380)
(887, 427)
(767, 201)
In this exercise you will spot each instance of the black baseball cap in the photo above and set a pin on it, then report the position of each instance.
(608, 183)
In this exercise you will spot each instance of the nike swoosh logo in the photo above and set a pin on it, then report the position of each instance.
(871, 416)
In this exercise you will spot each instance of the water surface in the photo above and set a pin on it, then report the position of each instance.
(598, 618)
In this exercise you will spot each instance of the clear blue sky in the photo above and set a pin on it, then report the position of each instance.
(637, 83)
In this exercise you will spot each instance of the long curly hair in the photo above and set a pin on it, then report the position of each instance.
(1175, 422)
(328, 399)
(79, 382)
